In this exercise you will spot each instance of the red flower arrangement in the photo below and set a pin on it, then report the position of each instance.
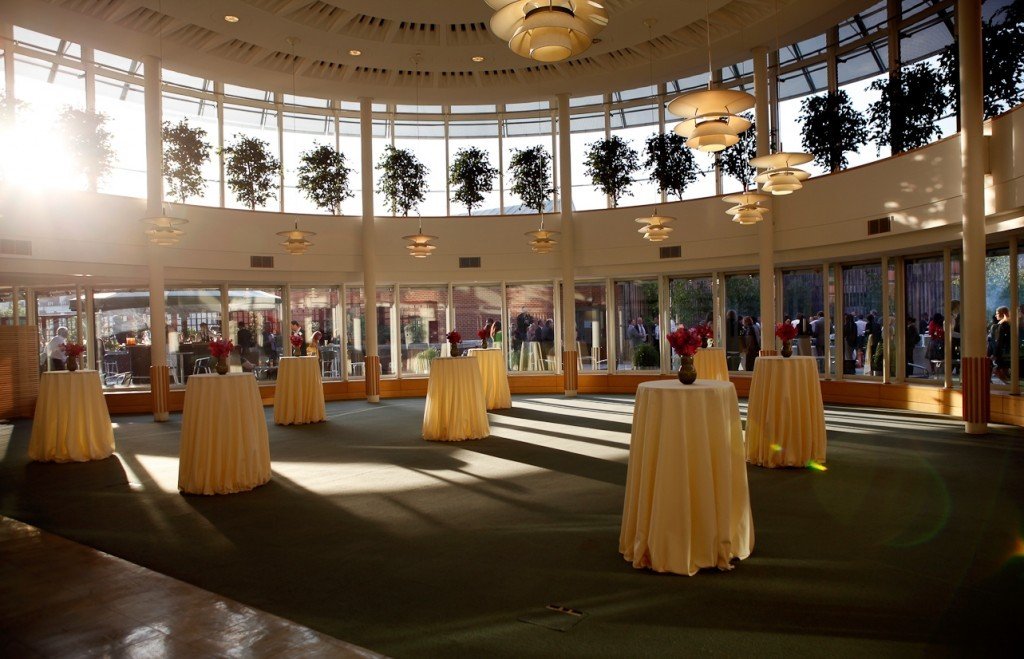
(73, 349)
(705, 333)
(685, 342)
(485, 333)
(785, 331)
(453, 337)
(296, 340)
(935, 330)
(221, 348)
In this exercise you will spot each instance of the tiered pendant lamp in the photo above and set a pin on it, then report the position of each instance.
(547, 30)
(780, 175)
(420, 246)
(655, 229)
(748, 208)
(164, 230)
(542, 241)
(296, 242)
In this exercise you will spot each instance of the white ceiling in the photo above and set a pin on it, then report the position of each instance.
(193, 37)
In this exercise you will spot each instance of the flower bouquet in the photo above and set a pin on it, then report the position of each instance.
(706, 334)
(485, 336)
(786, 333)
(73, 351)
(935, 330)
(221, 349)
(296, 340)
(454, 338)
(685, 343)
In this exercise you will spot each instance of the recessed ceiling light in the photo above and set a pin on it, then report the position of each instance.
(478, 58)
(355, 53)
(231, 19)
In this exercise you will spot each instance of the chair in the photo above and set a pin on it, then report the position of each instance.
(202, 365)
(329, 363)
(112, 375)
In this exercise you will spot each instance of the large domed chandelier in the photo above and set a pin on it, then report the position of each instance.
(547, 30)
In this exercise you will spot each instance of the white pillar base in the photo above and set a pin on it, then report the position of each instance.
(161, 416)
(974, 428)
(570, 393)
(373, 399)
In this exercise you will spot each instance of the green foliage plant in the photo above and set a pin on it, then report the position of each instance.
(324, 177)
(403, 180)
(646, 356)
(531, 176)
(185, 151)
(671, 163)
(611, 164)
(471, 176)
(252, 172)
(88, 143)
(831, 127)
(735, 161)
(907, 112)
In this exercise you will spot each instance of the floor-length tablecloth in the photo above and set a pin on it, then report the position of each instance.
(71, 422)
(494, 375)
(224, 442)
(785, 415)
(455, 407)
(687, 504)
(710, 364)
(299, 395)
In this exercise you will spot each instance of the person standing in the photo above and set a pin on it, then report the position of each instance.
(299, 332)
(753, 343)
(55, 350)
(246, 341)
(999, 339)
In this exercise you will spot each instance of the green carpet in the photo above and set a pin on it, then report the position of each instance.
(910, 542)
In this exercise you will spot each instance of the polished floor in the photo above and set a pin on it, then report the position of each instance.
(908, 544)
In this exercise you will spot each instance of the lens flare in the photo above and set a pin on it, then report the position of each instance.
(776, 447)
(816, 466)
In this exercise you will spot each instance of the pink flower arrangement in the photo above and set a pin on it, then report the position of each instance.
(685, 342)
(221, 348)
(785, 332)
(453, 337)
(296, 340)
(485, 333)
(73, 349)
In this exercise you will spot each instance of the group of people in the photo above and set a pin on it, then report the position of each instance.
(999, 336)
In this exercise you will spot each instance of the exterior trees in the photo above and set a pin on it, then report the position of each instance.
(610, 164)
(251, 171)
(531, 177)
(324, 177)
(671, 163)
(471, 175)
(831, 128)
(185, 151)
(403, 180)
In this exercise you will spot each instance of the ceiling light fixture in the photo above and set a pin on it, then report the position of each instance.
(542, 241)
(655, 227)
(711, 120)
(780, 176)
(296, 241)
(164, 230)
(419, 246)
(355, 53)
(478, 58)
(231, 19)
(547, 30)
(748, 208)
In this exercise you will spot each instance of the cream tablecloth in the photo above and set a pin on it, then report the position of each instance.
(494, 376)
(455, 408)
(687, 505)
(299, 395)
(710, 364)
(785, 416)
(71, 421)
(224, 443)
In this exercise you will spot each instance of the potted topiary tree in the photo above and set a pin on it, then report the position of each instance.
(671, 163)
(185, 151)
(831, 128)
(531, 176)
(403, 180)
(88, 143)
(323, 177)
(735, 161)
(471, 175)
(252, 171)
(907, 113)
(610, 164)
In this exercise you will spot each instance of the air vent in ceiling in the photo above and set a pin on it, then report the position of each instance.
(261, 261)
(10, 247)
(881, 225)
(469, 261)
(671, 252)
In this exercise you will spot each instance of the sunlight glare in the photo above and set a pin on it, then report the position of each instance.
(42, 162)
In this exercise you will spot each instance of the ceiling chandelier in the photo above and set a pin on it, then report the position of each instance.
(711, 120)
(748, 208)
(655, 229)
(163, 230)
(780, 176)
(547, 30)
(542, 241)
(419, 243)
(295, 242)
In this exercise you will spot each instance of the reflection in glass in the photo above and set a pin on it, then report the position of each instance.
(355, 319)
(862, 297)
(923, 334)
(636, 325)
(997, 297)
(316, 311)
(124, 338)
(591, 333)
(194, 315)
(57, 319)
(531, 327)
(474, 306)
(802, 301)
(423, 321)
(691, 303)
(742, 329)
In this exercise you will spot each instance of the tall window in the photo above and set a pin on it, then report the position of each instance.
(425, 139)
(531, 327)
(356, 320)
(124, 106)
(587, 128)
(8, 304)
(249, 121)
(57, 316)
(591, 325)
(690, 303)
(316, 310)
(802, 298)
(124, 337)
(473, 306)
(423, 313)
(252, 314)
(997, 295)
(199, 113)
(522, 133)
(862, 300)
(742, 329)
(302, 132)
(482, 134)
(636, 325)
(924, 303)
(195, 320)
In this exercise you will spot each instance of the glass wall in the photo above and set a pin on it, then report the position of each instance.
(862, 299)
(691, 303)
(57, 319)
(253, 122)
(591, 330)
(7, 307)
(356, 325)
(317, 313)
(424, 324)
(997, 299)
(637, 332)
(124, 337)
(253, 313)
(742, 328)
(531, 327)
(923, 335)
(195, 320)
(473, 307)
(803, 297)
(302, 132)
(123, 105)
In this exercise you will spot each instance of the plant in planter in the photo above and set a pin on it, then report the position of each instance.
(403, 180)
(88, 142)
(610, 165)
(324, 178)
(646, 356)
(906, 115)
(252, 171)
(831, 128)
(185, 151)
(735, 161)
(531, 177)
(671, 163)
(471, 175)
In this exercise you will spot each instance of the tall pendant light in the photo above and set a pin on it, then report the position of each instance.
(419, 246)
(654, 229)
(296, 241)
(542, 241)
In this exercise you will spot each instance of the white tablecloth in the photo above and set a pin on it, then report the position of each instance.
(710, 364)
(224, 443)
(455, 408)
(687, 505)
(71, 421)
(494, 376)
(785, 416)
(299, 395)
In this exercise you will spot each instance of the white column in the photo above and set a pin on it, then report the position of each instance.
(975, 372)
(568, 241)
(90, 323)
(154, 204)
(279, 108)
(90, 78)
(766, 228)
(7, 37)
(369, 250)
(218, 90)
